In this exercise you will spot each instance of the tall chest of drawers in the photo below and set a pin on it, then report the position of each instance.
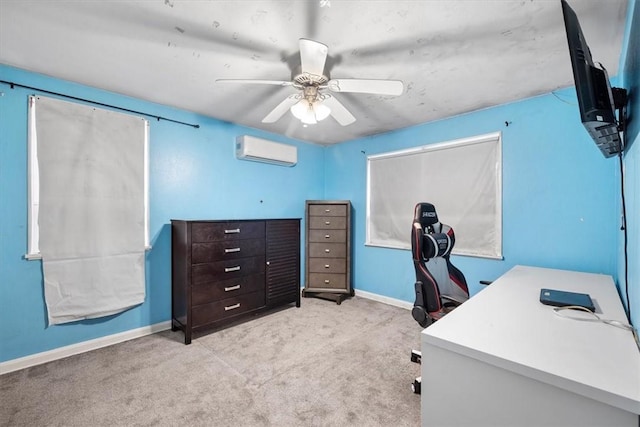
(328, 249)
(222, 271)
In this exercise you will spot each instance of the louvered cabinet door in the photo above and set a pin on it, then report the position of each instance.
(283, 262)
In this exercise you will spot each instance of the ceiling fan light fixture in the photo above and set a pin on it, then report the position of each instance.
(303, 111)
(310, 113)
(300, 108)
(309, 119)
(322, 111)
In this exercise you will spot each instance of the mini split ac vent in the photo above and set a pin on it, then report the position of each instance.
(261, 150)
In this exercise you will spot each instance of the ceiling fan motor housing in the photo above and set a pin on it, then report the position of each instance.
(306, 79)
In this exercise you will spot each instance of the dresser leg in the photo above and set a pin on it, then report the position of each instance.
(177, 326)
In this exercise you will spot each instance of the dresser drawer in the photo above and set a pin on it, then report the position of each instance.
(327, 265)
(214, 231)
(327, 223)
(222, 270)
(327, 250)
(228, 249)
(326, 280)
(208, 313)
(328, 236)
(207, 292)
(328, 210)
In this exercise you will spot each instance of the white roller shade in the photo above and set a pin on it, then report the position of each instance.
(88, 182)
(462, 178)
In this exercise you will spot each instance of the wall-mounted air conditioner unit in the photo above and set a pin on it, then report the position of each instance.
(261, 150)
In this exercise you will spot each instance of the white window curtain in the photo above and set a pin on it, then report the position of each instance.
(88, 210)
(462, 178)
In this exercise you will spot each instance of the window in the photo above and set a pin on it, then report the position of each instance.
(462, 178)
(92, 128)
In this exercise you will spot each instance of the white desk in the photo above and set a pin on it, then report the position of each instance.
(505, 359)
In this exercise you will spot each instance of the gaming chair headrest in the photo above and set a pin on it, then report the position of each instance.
(425, 214)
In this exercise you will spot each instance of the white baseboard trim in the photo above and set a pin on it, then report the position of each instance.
(82, 347)
(385, 300)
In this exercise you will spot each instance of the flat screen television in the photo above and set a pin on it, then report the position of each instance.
(595, 96)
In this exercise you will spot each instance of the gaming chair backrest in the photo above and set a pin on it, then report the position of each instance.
(431, 244)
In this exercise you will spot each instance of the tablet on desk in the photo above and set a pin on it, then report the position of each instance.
(565, 298)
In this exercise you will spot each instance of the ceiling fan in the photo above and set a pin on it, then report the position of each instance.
(313, 102)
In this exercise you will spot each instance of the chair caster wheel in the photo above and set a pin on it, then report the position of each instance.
(416, 387)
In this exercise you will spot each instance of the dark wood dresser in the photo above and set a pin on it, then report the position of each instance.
(328, 249)
(222, 271)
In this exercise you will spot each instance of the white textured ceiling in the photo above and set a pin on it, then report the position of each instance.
(454, 56)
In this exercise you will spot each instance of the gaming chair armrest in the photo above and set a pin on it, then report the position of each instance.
(419, 311)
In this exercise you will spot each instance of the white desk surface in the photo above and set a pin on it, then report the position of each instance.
(505, 325)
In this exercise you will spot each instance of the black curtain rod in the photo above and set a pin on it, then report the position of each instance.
(12, 84)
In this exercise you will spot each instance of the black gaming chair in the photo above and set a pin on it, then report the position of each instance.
(440, 286)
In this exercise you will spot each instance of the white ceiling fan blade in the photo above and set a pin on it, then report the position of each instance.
(281, 109)
(313, 55)
(380, 87)
(338, 111)
(260, 82)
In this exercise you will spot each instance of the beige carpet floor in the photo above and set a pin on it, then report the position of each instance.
(322, 364)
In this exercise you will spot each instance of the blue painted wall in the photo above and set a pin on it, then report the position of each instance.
(560, 197)
(631, 81)
(193, 175)
(559, 193)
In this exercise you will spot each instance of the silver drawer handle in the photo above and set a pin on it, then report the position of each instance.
(327, 281)
(232, 288)
(326, 266)
(327, 236)
(327, 222)
(327, 210)
(327, 250)
(231, 250)
(235, 230)
(230, 269)
(232, 307)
